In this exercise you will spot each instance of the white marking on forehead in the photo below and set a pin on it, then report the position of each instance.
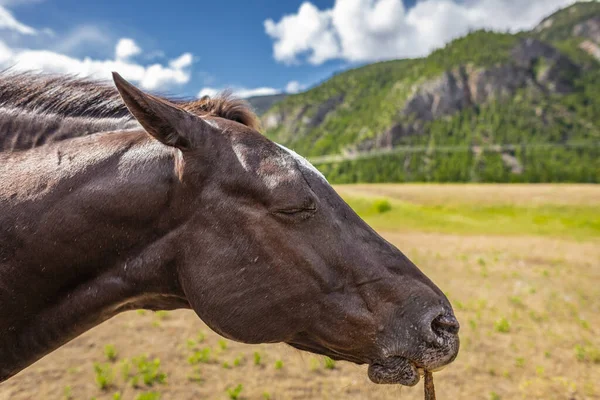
(303, 162)
(276, 168)
(238, 149)
(211, 123)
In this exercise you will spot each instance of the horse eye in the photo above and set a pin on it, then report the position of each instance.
(302, 212)
(293, 211)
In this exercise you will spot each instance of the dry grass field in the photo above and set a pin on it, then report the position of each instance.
(520, 264)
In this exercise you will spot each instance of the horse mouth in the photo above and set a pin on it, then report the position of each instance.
(394, 370)
(397, 370)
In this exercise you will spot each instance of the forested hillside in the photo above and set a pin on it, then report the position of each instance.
(486, 107)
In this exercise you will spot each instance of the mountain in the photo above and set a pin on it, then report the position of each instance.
(260, 104)
(487, 107)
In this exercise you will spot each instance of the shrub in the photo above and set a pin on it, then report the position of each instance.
(104, 375)
(68, 393)
(149, 370)
(329, 363)
(382, 206)
(200, 356)
(502, 325)
(161, 314)
(587, 354)
(234, 393)
(110, 352)
(238, 361)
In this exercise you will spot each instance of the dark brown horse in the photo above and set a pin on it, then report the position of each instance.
(149, 203)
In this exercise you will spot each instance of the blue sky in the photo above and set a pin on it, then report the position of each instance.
(185, 47)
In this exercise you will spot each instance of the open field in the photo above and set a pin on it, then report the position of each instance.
(520, 264)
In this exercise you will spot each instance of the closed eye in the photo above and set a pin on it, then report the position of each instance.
(297, 212)
(291, 211)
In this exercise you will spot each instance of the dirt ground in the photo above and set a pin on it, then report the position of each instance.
(529, 309)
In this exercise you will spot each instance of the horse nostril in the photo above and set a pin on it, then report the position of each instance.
(445, 323)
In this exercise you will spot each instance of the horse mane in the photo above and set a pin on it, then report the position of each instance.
(69, 97)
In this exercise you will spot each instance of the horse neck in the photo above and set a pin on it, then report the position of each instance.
(87, 231)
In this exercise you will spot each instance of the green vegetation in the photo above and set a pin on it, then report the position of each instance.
(563, 22)
(104, 375)
(161, 314)
(575, 221)
(545, 136)
(239, 361)
(372, 95)
(329, 363)
(586, 353)
(200, 356)
(234, 393)
(110, 352)
(382, 205)
(68, 393)
(148, 396)
(149, 370)
(257, 358)
(142, 369)
(502, 325)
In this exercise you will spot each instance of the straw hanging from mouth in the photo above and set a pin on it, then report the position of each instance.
(429, 388)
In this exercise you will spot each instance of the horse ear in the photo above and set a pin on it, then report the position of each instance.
(164, 121)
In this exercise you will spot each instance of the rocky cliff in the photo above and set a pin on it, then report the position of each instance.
(533, 66)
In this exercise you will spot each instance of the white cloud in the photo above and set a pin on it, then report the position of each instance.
(371, 30)
(126, 48)
(9, 22)
(155, 76)
(151, 77)
(308, 31)
(243, 93)
(294, 87)
(183, 61)
(261, 91)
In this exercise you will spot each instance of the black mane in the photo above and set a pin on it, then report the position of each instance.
(62, 95)
(39, 108)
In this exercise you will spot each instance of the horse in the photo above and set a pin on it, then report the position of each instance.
(117, 199)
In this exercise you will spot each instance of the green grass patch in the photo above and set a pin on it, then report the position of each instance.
(578, 222)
